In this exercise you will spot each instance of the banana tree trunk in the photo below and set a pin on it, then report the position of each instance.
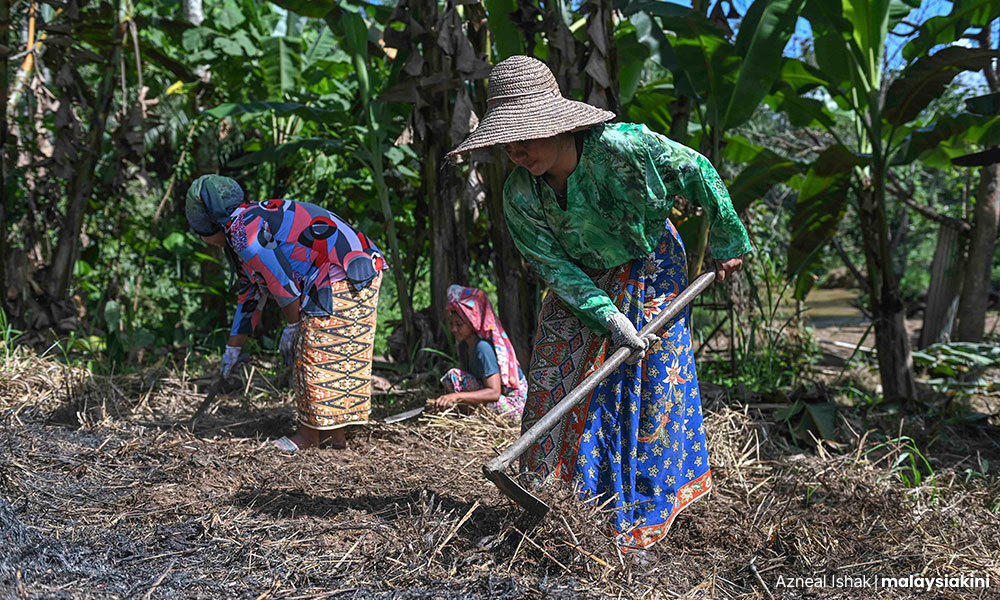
(976, 288)
(516, 288)
(445, 250)
(710, 148)
(891, 339)
(443, 187)
(680, 118)
(946, 283)
(80, 185)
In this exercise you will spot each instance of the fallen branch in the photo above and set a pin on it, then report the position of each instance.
(850, 265)
(906, 196)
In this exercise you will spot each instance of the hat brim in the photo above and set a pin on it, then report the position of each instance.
(531, 118)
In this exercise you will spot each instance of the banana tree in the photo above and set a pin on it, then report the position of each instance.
(347, 20)
(850, 41)
(433, 44)
(976, 284)
(374, 142)
(724, 79)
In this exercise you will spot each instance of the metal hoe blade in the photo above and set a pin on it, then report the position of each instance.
(496, 469)
(404, 415)
(515, 492)
(213, 391)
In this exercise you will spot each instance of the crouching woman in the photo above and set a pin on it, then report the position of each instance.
(489, 374)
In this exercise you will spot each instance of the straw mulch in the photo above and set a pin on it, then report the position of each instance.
(104, 493)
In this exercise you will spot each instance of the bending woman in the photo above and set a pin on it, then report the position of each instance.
(490, 373)
(588, 206)
(324, 275)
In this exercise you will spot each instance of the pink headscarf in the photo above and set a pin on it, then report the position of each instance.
(473, 304)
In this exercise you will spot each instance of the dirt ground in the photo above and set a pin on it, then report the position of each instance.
(105, 493)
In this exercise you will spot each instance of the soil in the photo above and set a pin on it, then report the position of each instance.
(107, 492)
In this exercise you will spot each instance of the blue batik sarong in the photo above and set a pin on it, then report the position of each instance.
(638, 440)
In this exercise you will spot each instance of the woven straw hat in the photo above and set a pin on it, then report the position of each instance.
(524, 103)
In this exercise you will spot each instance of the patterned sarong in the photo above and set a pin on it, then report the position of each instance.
(510, 404)
(333, 360)
(639, 436)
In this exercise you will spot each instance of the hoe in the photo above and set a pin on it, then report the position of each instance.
(496, 469)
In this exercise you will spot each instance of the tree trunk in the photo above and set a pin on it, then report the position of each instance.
(66, 252)
(696, 254)
(976, 288)
(444, 249)
(4, 143)
(946, 283)
(443, 187)
(891, 339)
(516, 288)
(193, 12)
(680, 117)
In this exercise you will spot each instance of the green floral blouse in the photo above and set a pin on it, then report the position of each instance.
(617, 203)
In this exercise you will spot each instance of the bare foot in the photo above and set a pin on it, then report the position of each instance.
(336, 438)
(305, 437)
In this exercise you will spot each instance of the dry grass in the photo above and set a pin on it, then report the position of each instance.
(105, 494)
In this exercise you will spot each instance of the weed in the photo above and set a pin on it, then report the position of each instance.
(910, 465)
(772, 348)
(8, 335)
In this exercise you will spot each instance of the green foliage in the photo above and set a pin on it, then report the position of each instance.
(809, 422)
(945, 29)
(759, 176)
(821, 205)
(306, 113)
(507, 36)
(762, 37)
(952, 358)
(958, 367)
(281, 95)
(772, 347)
(927, 78)
(281, 65)
(8, 335)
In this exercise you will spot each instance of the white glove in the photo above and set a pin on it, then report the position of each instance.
(287, 343)
(623, 333)
(230, 358)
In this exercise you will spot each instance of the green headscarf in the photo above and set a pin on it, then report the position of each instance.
(208, 204)
(210, 201)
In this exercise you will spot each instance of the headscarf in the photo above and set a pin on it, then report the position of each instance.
(209, 204)
(476, 308)
(210, 201)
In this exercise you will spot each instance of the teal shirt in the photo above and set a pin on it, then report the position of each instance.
(618, 200)
(481, 362)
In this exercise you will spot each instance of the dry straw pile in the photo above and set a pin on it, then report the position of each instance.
(105, 493)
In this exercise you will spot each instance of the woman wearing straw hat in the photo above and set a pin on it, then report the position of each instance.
(325, 276)
(588, 206)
